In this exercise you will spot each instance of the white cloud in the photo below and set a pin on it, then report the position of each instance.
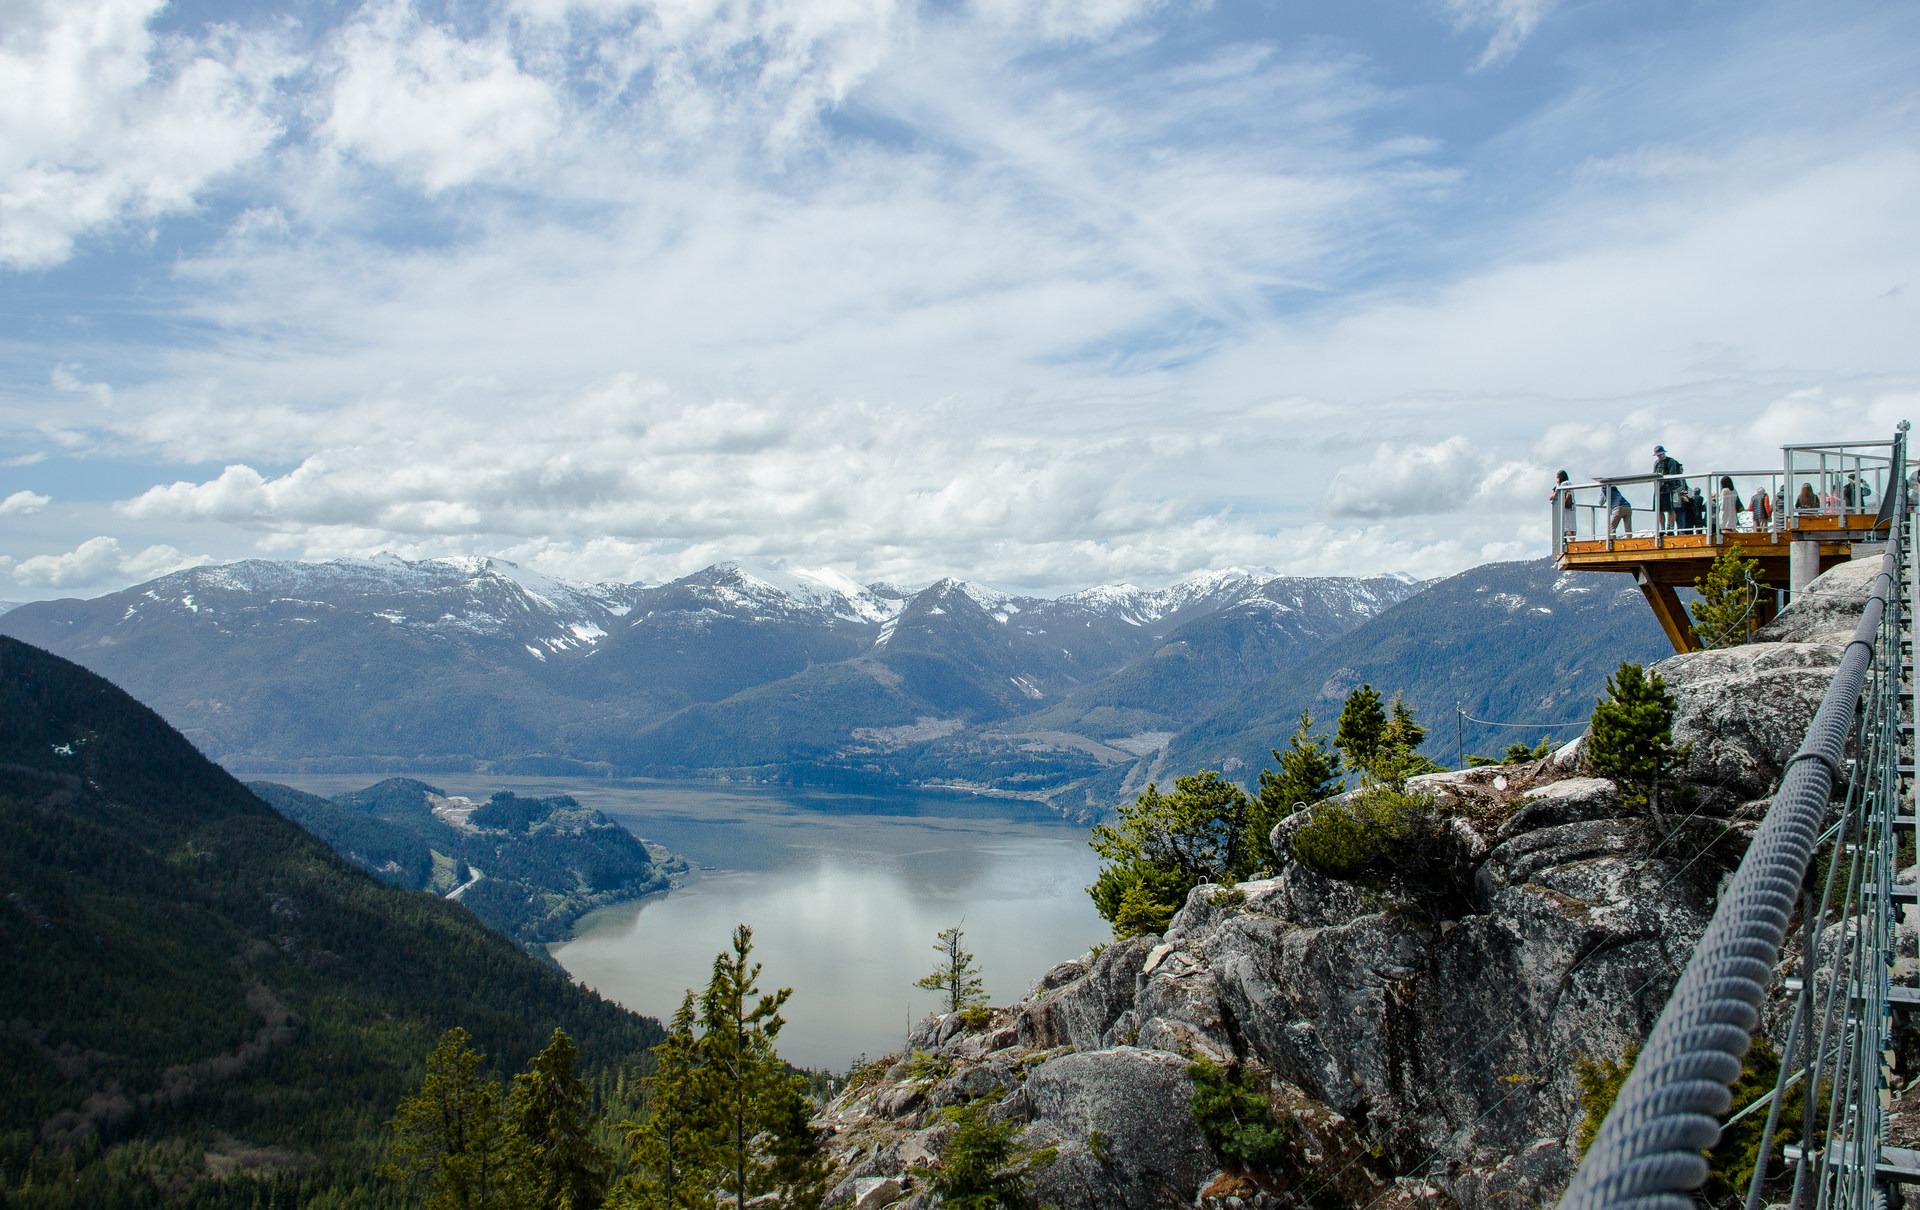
(1047, 293)
(23, 504)
(101, 121)
(1509, 22)
(1067, 19)
(100, 561)
(437, 109)
(1434, 480)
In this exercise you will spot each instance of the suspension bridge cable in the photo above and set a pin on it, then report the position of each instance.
(1487, 722)
(1648, 1152)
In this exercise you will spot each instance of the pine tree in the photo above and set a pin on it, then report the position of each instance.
(550, 1121)
(670, 1149)
(1235, 1115)
(1309, 772)
(1723, 616)
(1397, 757)
(799, 1167)
(1363, 724)
(453, 1131)
(1630, 738)
(1401, 730)
(1164, 845)
(740, 1074)
(1518, 753)
(956, 977)
(983, 1166)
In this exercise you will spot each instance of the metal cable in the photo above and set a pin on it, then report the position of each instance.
(1648, 1151)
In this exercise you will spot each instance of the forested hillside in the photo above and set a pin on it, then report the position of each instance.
(201, 1003)
(528, 867)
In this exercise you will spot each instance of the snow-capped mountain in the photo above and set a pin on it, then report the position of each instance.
(732, 666)
(478, 597)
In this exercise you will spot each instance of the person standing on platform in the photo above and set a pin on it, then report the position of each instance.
(1666, 495)
(1729, 506)
(1564, 490)
(1619, 512)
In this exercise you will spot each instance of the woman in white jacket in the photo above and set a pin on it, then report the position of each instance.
(1729, 506)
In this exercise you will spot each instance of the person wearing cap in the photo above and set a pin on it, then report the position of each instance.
(1665, 493)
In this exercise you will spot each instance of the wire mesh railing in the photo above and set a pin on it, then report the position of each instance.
(1649, 1152)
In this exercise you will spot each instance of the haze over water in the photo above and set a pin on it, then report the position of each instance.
(844, 894)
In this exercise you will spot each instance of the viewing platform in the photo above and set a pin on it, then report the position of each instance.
(1825, 504)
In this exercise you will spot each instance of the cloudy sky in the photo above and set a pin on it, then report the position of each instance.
(1041, 293)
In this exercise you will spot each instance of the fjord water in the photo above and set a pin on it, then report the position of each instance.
(844, 894)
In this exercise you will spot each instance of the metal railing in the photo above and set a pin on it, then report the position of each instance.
(1813, 481)
(1649, 1151)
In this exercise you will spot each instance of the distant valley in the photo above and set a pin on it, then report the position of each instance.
(477, 664)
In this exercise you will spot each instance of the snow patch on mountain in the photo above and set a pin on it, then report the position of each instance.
(807, 590)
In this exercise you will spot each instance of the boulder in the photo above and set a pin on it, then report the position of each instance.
(1827, 610)
(873, 1192)
(1120, 1123)
(1079, 1012)
(1574, 800)
(1744, 710)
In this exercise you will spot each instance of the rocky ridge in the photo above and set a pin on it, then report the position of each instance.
(1418, 1036)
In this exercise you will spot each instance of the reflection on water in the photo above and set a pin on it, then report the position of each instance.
(844, 894)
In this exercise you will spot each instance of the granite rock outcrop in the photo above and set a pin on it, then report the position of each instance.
(1416, 1034)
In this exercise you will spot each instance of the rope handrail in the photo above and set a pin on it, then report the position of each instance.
(1649, 1150)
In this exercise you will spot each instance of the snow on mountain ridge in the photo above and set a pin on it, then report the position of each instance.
(495, 596)
(824, 589)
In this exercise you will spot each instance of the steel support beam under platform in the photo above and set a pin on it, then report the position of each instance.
(1667, 608)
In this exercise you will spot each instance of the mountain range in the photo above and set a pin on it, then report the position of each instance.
(478, 664)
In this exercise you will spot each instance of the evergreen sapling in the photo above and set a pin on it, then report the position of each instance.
(956, 977)
(1630, 738)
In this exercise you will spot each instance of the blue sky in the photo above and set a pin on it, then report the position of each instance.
(1039, 294)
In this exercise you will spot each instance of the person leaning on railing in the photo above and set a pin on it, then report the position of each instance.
(1619, 512)
(1565, 492)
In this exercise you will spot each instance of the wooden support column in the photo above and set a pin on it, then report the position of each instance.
(1666, 607)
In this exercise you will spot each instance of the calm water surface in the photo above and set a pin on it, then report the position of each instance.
(844, 894)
